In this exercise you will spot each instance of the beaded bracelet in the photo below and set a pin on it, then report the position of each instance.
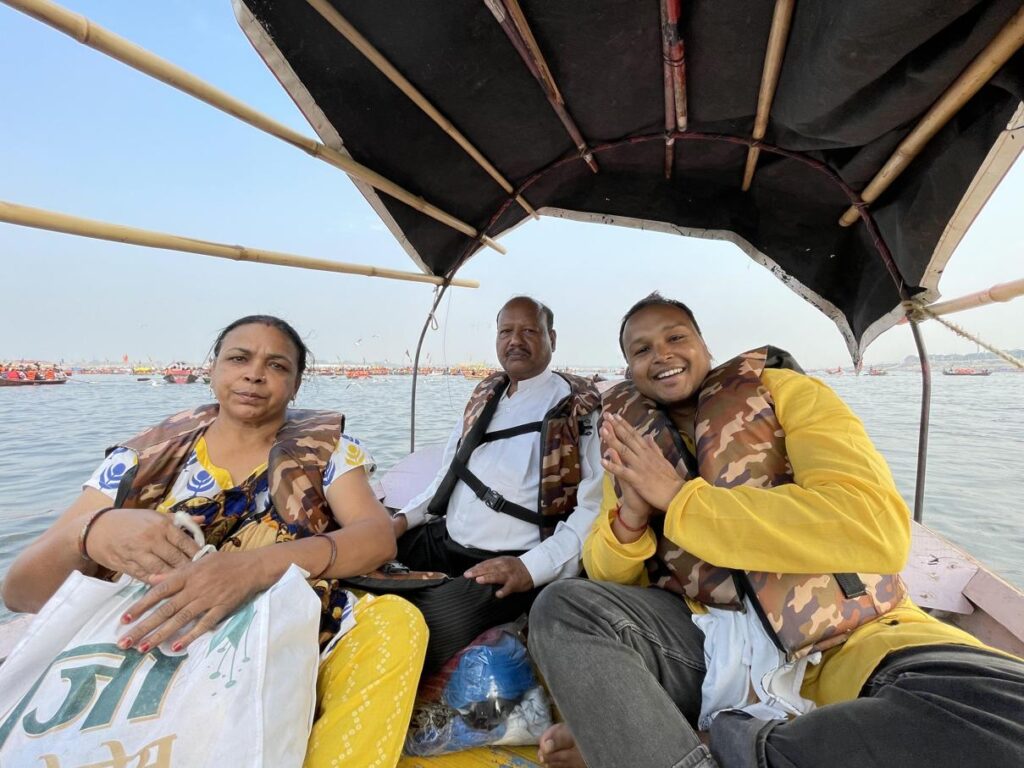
(83, 535)
(334, 553)
(627, 526)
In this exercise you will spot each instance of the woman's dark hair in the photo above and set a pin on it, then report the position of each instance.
(301, 350)
(654, 300)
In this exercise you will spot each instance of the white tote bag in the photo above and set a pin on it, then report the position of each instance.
(242, 695)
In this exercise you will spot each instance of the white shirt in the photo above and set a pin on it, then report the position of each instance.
(512, 468)
(745, 670)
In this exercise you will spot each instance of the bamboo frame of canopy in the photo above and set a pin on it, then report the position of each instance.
(73, 225)
(513, 21)
(375, 57)
(970, 81)
(84, 31)
(997, 293)
(674, 78)
(776, 50)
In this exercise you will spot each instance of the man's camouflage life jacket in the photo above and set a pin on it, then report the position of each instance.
(301, 451)
(739, 441)
(560, 432)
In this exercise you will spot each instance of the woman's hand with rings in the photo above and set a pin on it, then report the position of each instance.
(637, 462)
(139, 542)
(205, 592)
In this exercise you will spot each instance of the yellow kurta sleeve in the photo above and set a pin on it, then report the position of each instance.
(842, 513)
(605, 558)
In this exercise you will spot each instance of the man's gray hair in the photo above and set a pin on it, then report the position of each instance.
(542, 309)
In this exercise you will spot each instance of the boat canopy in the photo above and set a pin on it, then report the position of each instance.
(643, 113)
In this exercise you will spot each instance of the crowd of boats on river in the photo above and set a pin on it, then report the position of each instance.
(36, 372)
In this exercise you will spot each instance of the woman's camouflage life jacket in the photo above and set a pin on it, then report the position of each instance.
(298, 458)
(560, 432)
(739, 441)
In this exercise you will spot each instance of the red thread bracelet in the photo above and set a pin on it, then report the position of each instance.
(626, 525)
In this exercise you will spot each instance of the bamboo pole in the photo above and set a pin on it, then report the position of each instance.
(676, 61)
(668, 91)
(101, 230)
(978, 72)
(361, 44)
(997, 293)
(776, 50)
(512, 20)
(84, 31)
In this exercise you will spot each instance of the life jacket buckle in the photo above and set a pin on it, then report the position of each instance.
(494, 500)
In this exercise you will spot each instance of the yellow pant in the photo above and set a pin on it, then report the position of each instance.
(366, 687)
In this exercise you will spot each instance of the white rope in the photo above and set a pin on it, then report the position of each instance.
(967, 335)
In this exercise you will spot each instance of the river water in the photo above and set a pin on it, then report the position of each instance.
(54, 437)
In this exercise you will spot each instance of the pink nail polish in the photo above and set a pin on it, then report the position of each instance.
(144, 648)
(124, 642)
(126, 618)
(176, 647)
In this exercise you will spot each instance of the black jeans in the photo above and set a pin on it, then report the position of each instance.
(458, 610)
(942, 706)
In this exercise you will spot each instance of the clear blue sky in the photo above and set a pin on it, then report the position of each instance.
(85, 135)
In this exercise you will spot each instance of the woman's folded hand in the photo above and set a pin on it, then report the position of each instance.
(139, 542)
(204, 592)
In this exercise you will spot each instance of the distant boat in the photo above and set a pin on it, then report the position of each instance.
(966, 371)
(877, 371)
(179, 373)
(837, 371)
(6, 382)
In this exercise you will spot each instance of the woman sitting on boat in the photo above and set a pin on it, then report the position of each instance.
(303, 498)
(752, 496)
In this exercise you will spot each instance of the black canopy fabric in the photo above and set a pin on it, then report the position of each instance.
(856, 78)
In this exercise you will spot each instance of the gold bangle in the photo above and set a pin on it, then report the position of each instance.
(334, 553)
(83, 535)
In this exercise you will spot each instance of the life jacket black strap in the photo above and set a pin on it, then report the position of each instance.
(851, 584)
(499, 503)
(504, 434)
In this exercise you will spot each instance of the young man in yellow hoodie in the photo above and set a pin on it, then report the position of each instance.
(628, 666)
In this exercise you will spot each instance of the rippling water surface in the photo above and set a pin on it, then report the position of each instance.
(54, 437)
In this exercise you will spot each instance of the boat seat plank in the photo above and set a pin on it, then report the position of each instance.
(998, 599)
(937, 572)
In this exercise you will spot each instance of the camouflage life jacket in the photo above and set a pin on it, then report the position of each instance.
(301, 451)
(739, 441)
(560, 432)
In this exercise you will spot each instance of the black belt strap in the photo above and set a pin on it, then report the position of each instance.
(499, 503)
(504, 434)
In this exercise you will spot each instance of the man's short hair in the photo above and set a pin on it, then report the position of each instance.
(542, 309)
(654, 300)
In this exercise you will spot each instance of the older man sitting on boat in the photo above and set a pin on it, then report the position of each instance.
(518, 489)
